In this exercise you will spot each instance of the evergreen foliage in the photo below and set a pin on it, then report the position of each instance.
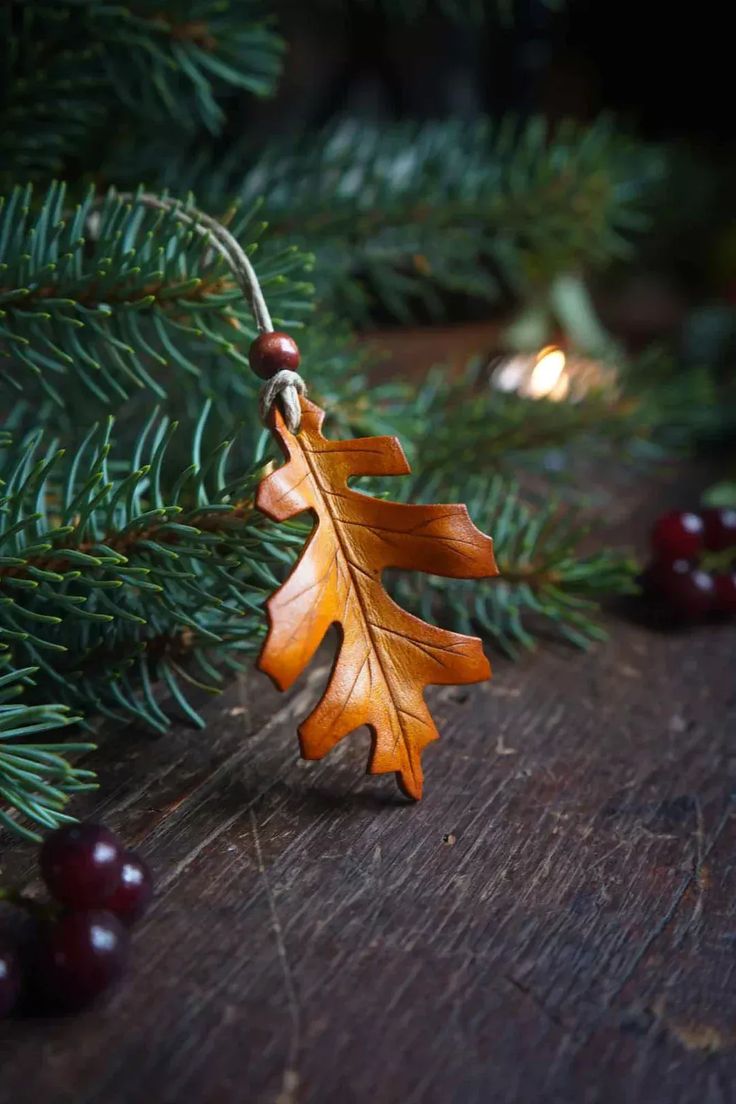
(395, 223)
(74, 72)
(133, 566)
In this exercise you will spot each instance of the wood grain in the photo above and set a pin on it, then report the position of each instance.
(556, 922)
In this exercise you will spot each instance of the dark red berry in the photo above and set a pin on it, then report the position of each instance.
(80, 957)
(270, 352)
(678, 535)
(689, 591)
(720, 529)
(134, 891)
(81, 864)
(9, 980)
(725, 592)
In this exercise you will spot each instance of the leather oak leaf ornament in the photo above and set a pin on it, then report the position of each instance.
(386, 656)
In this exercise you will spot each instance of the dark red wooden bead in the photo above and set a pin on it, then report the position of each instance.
(270, 352)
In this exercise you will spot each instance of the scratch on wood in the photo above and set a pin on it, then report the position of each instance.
(699, 869)
(290, 1082)
(670, 914)
(529, 993)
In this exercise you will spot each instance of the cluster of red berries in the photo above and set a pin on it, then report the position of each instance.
(694, 566)
(81, 946)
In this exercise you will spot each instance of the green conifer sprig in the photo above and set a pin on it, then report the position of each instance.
(133, 566)
(36, 777)
(546, 587)
(465, 424)
(72, 70)
(118, 572)
(112, 297)
(399, 215)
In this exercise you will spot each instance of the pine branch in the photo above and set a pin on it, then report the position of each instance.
(455, 426)
(114, 304)
(51, 96)
(545, 585)
(123, 576)
(114, 574)
(117, 298)
(36, 779)
(133, 571)
(675, 407)
(70, 69)
(117, 572)
(400, 216)
(133, 566)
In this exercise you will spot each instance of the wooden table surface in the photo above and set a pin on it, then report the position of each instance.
(555, 922)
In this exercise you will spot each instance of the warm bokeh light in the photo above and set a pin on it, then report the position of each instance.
(540, 376)
(549, 379)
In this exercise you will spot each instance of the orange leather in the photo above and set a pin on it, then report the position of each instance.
(387, 656)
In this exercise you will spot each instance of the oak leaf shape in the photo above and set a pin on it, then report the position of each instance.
(386, 656)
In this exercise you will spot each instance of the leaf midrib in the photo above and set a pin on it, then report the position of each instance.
(367, 625)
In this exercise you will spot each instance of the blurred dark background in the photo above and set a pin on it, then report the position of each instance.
(660, 72)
